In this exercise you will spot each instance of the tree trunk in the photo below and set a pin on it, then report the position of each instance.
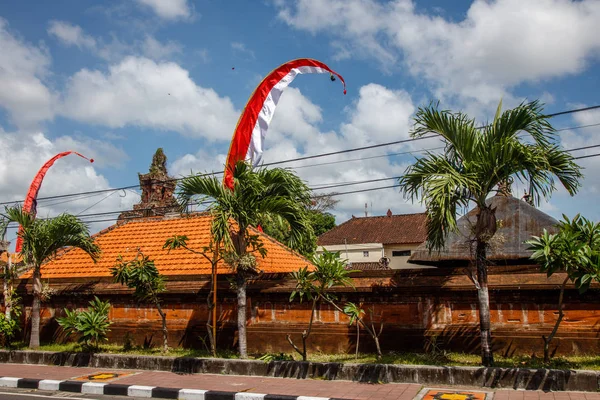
(357, 338)
(209, 326)
(164, 327)
(8, 288)
(34, 341)
(241, 314)
(548, 339)
(487, 357)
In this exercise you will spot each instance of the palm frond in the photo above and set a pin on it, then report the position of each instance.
(457, 129)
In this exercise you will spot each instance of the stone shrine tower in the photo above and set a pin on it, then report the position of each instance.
(157, 191)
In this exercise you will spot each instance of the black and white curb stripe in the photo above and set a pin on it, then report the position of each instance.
(115, 389)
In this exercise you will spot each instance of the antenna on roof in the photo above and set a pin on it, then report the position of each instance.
(366, 210)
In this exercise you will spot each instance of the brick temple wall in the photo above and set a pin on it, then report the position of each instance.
(415, 307)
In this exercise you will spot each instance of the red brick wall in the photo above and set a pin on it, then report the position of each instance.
(413, 306)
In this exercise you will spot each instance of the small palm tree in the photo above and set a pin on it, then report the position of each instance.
(142, 275)
(518, 143)
(256, 196)
(316, 286)
(354, 311)
(42, 239)
(574, 251)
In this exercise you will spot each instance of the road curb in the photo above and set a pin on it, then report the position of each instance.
(116, 389)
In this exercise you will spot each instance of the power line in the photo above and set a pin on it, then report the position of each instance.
(588, 156)
(308, 157)
(331, 186)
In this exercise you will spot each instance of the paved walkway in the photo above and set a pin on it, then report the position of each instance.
(279, 386)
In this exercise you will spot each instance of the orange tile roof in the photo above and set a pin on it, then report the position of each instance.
(16, 258)
(150, 235)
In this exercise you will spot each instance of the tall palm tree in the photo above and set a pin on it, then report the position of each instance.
(519, 143)
(42, 239)
(257, 195)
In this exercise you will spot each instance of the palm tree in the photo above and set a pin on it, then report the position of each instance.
(257, 195)
(520, 143)
(42, 239)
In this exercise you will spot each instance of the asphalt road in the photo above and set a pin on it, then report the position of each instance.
(29, 394)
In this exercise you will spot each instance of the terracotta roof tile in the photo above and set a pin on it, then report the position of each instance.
(150, 235)
(16, 258)
(395, 229)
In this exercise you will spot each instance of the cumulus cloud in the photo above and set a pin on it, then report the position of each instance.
(379, 114)
(23, 68)
(113, 49)
(498, 45)
(153, 48)
(71, 35)
(169, 9)
(19, 164)
(141, 92)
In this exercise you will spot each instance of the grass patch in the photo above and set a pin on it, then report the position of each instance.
(590, 362)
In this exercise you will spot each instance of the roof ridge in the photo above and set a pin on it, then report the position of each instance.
(385, 216)
(277, 242)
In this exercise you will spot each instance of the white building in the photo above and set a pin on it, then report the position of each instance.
(375, 243)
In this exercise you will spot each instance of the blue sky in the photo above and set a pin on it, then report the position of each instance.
(117, 79)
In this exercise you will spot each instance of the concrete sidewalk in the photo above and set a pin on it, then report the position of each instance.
(152, 383)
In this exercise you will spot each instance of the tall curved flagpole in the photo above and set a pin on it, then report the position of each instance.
(30, 203)
(249, 135)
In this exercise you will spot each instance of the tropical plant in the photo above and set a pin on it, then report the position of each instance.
(354, 311)
(141, 275)
(213, 255)
(92, 325)
(9, 321)
(574, 251)
(319, 221)
(256, 194)
(315, 286)
(519, 143)
(9, 273)
(42, 239)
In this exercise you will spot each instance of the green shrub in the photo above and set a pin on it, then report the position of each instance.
(9, 327)
(91, 325)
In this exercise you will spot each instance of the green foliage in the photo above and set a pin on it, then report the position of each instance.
(320, 222)
(92, 325)
(519, 143)
(42, 238)
(276, 357)
(574, 250)
(9, 327)
(353, 311)
(258, 194)
(141, 275)
(329, 271)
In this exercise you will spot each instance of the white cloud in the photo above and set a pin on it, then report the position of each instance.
(113, 49)
(379, 114)
(71, 35)
(23, 68)
(498, 44)
(142, 92)
(19, 164)
(242, 49)
(169, 9)
(156, 50)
